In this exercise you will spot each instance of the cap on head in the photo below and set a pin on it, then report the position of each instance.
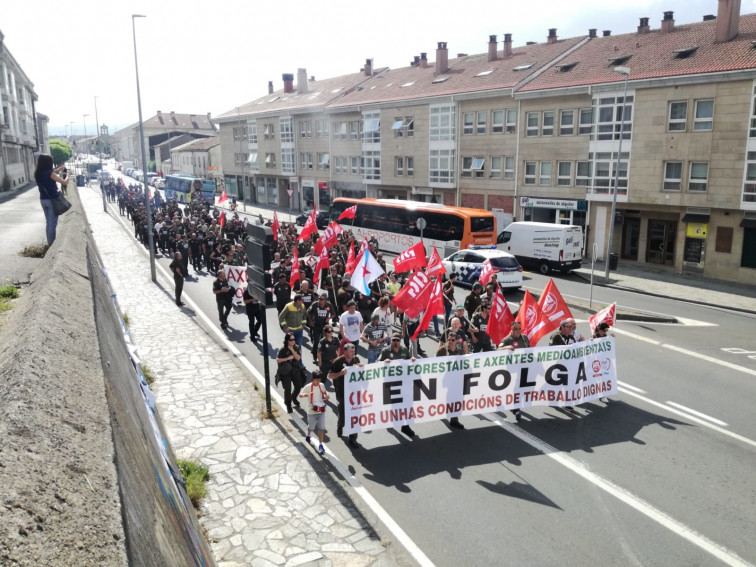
(348, 346)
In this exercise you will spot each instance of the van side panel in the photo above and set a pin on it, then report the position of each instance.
(545, 246)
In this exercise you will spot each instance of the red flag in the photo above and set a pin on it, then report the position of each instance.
(411, 259)
(310, 227)
(607, 315)
(414, 294)
(295, 275)
(329, 238)
(349, 213)
(500, 320)
(435, 265)
(323, 264)
(351, 261)
(222, 219)
(486, 272)
(528, 315)
(276, 227)
(553, 310)
(363, 247)
(435, 307)
(223, 197)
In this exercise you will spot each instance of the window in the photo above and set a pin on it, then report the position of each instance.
(509, 172)
(287, 133)
(548, 123)
(410, 163)
(371, 128)
(699, 176)
(371, 165)
(305, 160)
(354, 166)
(583, 174)
(564, 173)
(339, 131)
(609, 113)
(672, 175)
(566, 122)
(497, 121)
(678, 114)
(442, 120)
(354, 130)
(252, 127)
(511, 121)
(586, 121)
(532, 124)
(441, 166)
(324, 161)
(403, 127)
(544, 176)
(467, 122)
(704, 115)
(305, 129)
(321, 128)
(341, 164)
(252, 161)
(270, 160)
(270, 132)
(530, 173)
(473, 166)
(287, 160)
(496, 165)
(399, 166)
(480, 122)
(603, 173)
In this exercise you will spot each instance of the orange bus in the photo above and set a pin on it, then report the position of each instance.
(393, 222)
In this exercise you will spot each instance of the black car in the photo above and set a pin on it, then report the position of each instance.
(321, 220)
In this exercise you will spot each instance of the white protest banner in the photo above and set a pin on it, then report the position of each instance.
(383, 395)
(237, 277)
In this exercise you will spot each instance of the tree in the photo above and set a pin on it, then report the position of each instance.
(60, 151)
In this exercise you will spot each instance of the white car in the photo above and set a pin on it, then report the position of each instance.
(467, 264)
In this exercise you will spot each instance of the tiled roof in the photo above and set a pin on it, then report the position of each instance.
(319, 93)
(464, 75)
(652, 55)
(200, 144)
(175, 141)
(182, 121)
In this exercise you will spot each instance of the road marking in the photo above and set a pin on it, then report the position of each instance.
(729, 365)
(720, 552)
(635, 336)
(692, 418)
(633, 388)
(698, 413)
(368, 498)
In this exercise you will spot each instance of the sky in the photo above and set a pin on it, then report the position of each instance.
(197, 57)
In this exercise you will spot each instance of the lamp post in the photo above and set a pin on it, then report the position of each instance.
(147, 206)
(85, 134)
(624, 71)
(102, 187)
(242, 128)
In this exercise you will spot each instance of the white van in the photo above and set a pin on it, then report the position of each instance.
(543, 246)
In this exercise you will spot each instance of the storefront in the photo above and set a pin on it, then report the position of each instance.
(559, 211)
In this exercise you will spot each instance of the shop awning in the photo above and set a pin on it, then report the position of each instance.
(690, 217)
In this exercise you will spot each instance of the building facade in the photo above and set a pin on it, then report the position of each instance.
(661, 121)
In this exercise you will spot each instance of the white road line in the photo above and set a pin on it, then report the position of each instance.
(698, 413)
(692, 418)
(633, 388)
(635, 336)
(711, 359)
(723, 554)
(369, 500)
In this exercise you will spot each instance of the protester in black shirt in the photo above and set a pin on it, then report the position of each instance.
(177, 267)
(254, 313)
(224, 295)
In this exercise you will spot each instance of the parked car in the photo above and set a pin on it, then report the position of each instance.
(468, 264)
(159, 183)
(321, 219)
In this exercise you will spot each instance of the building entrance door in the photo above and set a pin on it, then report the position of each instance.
(661, 242)
(630, 238)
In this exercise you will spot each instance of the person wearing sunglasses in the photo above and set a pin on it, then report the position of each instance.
(289, 371)
(328, 350)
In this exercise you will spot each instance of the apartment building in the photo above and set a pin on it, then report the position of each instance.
(549, 131)
(201, 158)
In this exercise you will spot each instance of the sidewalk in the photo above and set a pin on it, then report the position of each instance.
(270, 501)
(665, 282)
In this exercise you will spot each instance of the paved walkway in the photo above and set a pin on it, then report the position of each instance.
(271, 501)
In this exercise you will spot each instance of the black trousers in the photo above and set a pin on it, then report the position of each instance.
(338, 385)
(224, 308)
(179, 281)
(291, 387)
(255, 322)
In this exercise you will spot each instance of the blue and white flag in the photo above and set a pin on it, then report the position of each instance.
(365, 272)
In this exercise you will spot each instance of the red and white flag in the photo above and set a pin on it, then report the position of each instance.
(411, 259)
(435, 265)
(414, 294)
(607, 315)
(349, 213)
(223, 197)
(435, 307)
(329, 238)
(486, 272)
(323, 264)
(500, 320)
(529, 315)
(553, 310)
(295, 275)
(276, 227)
(351, 259)
(309, 228)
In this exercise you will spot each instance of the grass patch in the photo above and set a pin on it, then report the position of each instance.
(149, 377)
(195, 475)
(125, 318)
(8, 293)
(34, 250)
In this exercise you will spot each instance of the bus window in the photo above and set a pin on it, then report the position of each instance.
(481, 224)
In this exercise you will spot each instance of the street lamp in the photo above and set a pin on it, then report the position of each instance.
(85, 132)
(148, 208)
(624, 71)
(102, 188)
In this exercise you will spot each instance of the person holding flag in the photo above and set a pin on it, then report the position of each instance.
(366, 270)
(275, 226)
(514, 340)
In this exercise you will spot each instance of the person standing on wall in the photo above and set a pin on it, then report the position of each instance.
(47, 180)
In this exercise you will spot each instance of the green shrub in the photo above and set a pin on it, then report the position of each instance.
(195, 475)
